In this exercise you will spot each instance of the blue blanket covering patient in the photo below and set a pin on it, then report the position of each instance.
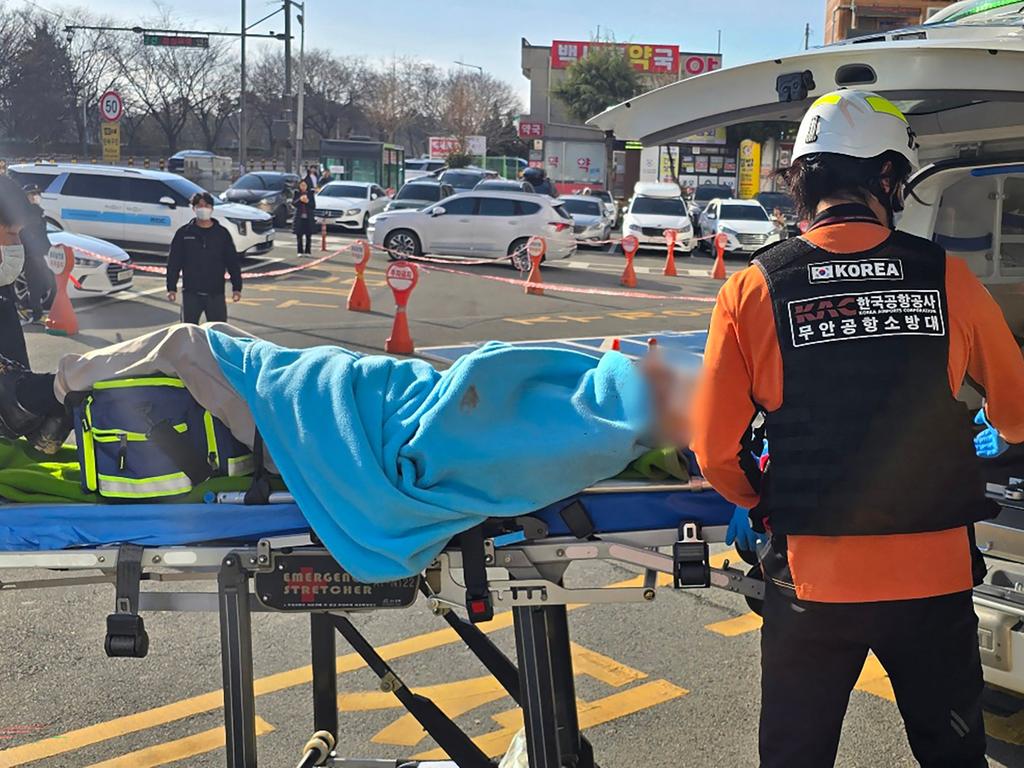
(389, 459)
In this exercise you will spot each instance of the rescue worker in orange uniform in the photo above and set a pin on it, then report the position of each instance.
(853, 341)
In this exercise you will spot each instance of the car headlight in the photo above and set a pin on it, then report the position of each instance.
(352, 212)
(240, 225)
(83, 261)
(634, 227)
(728, 231)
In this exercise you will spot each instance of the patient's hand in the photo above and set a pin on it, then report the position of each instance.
(671, 392)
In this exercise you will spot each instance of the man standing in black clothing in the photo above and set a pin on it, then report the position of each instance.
(201, 252)
(40, 279)
(14, 212)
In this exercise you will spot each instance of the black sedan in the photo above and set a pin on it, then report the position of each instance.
(270, 191)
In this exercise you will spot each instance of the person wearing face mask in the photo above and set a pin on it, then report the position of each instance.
(201, 252)
(14, 213)
(41, 280)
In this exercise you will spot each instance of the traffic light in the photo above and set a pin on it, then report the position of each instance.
(176, 41)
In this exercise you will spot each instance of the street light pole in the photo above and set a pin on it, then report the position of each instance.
(300, 121)
(288, 60)
(470, 66)
(243, 147)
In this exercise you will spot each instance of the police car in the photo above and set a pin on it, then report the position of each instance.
(137, 209)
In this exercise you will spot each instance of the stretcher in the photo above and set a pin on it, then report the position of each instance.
(264, 558)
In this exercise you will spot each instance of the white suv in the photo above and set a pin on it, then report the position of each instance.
(484, 224)
(137, 209)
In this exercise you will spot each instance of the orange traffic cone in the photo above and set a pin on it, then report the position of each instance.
(62, 320)
(400, 340)
(718, 271)
(359, 296)
(401, 277)
(670, 257)
(630, 245)
(535, 248)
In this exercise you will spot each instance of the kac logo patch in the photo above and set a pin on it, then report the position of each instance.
(867, 269)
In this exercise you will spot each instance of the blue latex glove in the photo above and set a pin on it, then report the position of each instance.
(988, 443)
(741, 532)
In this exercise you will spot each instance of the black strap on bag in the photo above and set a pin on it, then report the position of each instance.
(259, 490)
(181, 450)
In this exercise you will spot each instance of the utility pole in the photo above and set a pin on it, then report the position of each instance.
(288, 61)
(300, 118)
(807, 35)
(243, 144)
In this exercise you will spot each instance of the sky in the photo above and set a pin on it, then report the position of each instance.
(486, 33)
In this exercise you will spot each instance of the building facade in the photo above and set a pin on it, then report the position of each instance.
(577, 156)
(854, 18)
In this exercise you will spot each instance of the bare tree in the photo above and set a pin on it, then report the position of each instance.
(333, 87)
(266, 86)
(213, 96)
(12, 37)
(93, 70)
(387, 97)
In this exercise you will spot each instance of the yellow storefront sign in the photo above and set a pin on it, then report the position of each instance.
(750, 169)
(110, 138)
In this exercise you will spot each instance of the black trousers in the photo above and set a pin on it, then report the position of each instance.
(12, 337)
(304, 237)
(193, 305)
(812, 655)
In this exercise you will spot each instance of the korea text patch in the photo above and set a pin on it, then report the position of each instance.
(848, 316)
(864, 269)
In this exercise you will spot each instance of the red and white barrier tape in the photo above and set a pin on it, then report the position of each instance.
(574, 288)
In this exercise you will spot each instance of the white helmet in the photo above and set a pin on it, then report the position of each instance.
(857, 124)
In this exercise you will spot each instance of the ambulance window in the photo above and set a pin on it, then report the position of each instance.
(1012, 226)
(964, 221)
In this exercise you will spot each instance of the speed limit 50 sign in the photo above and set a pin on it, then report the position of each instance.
(111, 106)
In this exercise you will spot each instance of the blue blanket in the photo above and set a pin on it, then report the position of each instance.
(389, 459)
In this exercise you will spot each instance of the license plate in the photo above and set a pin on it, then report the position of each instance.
(124, 275)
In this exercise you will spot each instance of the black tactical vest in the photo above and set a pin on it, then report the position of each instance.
(869, 439)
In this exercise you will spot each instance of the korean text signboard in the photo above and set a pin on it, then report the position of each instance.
(111, 109)
(750, 169)
(649, 58)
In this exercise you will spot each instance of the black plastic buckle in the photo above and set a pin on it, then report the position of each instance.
(126, 632)
(479, 607)
(691, 569)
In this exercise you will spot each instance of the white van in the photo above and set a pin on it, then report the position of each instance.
(654, 208)
(958, 80)
(139, 210)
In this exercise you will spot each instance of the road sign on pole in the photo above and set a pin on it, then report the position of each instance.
(111, 106)
(176, 41)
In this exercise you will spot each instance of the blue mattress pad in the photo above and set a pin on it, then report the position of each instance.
(35, 527)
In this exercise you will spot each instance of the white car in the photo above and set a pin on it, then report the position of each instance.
(654, 208)
(350, 204)
(745, 224)
(590, 217)
(957, 80)
(139, 210)
(482, 224)
(418, 167)
(90, 276)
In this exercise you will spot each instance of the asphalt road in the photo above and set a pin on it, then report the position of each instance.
(674, 681)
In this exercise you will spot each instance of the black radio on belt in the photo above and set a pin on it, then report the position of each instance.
(690, 557)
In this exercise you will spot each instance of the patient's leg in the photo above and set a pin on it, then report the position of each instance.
(180, 350)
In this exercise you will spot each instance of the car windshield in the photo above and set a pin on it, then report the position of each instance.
(461, 179)
(604, 197)
(419, 192)
(187, 188)
(705, 194)
(776, 200)
(250, 181)
(343, 190)
(743, 213)
(583, 207)
(660, 206)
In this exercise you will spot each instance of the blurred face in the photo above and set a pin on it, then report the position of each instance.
(9, 235)
(203, 210)
(303, 186)
(34, 198)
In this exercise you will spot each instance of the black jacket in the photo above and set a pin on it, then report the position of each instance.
(201, 256)
(41, 281)
(307, 222)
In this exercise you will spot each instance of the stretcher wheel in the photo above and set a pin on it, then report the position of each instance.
(127, 646)
(757, 606)
(692, 574)
(318, 749)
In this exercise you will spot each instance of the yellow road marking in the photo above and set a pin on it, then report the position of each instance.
(740, 625)
(179, 749)
(288, 304)
(591, 714)
(717, 561)
(603, 668)
(207, 702)
(875, 680)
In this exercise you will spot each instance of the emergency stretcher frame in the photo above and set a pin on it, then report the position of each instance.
(478, 572)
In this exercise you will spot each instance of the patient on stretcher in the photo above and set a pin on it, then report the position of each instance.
(389, 459)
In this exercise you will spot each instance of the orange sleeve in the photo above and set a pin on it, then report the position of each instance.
(982, 345)
(742, 371)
